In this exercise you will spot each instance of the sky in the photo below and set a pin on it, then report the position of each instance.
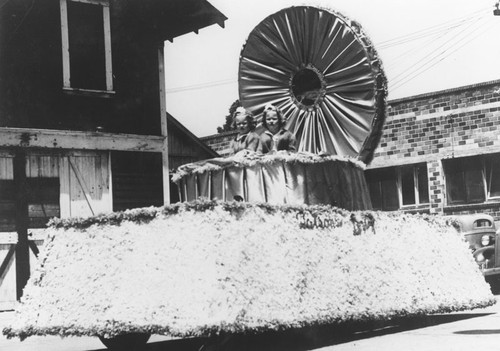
(424, 45)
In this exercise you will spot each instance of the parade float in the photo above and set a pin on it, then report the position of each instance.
(300, 247)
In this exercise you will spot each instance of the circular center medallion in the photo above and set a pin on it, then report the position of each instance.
(306, 86)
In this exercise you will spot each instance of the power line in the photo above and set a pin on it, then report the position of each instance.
(401, 83)
(429, 30)
(4, 3)
(28, 11)
(398, 59)
(201, 85)
(449, 44)
(433, 31)
(418, 36)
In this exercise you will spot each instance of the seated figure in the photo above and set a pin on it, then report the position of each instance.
(275, 137)
(246, 139)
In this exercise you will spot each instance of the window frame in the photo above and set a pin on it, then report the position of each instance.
(383, 184)
(488, 160)
(414, 167)
(66, 59)
(466, 172)
(397, 171)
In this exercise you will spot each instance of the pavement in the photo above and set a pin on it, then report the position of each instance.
(468, 330)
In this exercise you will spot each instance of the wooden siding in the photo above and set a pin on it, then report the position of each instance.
(31, 84)
(77, 140)
(85, 187)
(184, 147)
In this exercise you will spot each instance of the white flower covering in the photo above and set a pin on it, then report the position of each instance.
(246, 158)
(202, 272)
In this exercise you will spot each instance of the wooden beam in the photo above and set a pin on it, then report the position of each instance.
(108, 195)
(22, 221)
(164, 130)
(75, 140)
(107, 47)
(33, 247)
(83, 186)
(65, 43)
(64, 187)
(94, 2)
(7, 262)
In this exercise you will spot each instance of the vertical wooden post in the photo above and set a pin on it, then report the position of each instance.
(65, 43)
(107, 46)
(164, 130)
(22, 222)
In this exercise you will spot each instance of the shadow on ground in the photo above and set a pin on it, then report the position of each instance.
(478, 332)
(308, 338)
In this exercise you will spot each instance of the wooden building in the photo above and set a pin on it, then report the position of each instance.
(83, 122)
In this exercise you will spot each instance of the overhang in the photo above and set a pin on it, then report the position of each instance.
(173, 18)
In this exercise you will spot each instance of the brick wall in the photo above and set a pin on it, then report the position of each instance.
(428, 128)
(439, 125)
(220, 142)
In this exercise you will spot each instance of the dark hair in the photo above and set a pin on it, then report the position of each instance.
(270, 107)
(248, 116)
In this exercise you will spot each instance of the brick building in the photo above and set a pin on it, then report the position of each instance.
(439, 153)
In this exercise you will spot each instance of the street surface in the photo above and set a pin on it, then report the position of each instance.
(469, 330)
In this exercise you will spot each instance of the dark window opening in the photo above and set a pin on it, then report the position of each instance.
(493, 175)
(7, 206)
(408, 186)
(464, 180)
(383, 189)
(388, 185)
(43, 201)
(137, 180)
(86, 46)
(423, 183)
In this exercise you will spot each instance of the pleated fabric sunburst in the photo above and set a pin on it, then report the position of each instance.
(324, 74)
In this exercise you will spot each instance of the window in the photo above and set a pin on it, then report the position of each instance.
(43, 200)
(383, 188)
(413, 183)
(396, 187)
(7, 194)
(7, 205)
(86, 46)
(472, 179)
(465, 180)
(492, 170)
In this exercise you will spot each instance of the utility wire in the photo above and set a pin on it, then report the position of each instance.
(433, 32)
(441, 59)
(437, 31)
(398, 60)
(28, 11)
(448, 45)
(429, 30)
(401, 83)
(200, 86)
(4, 3)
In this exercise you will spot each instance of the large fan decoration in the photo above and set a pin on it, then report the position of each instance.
(324, 74)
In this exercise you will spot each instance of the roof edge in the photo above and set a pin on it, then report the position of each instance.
(191, 135)
(443, 92)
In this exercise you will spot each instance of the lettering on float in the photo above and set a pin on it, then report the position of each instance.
(308, 220)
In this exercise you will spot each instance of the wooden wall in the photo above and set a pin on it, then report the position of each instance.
(31, 73)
